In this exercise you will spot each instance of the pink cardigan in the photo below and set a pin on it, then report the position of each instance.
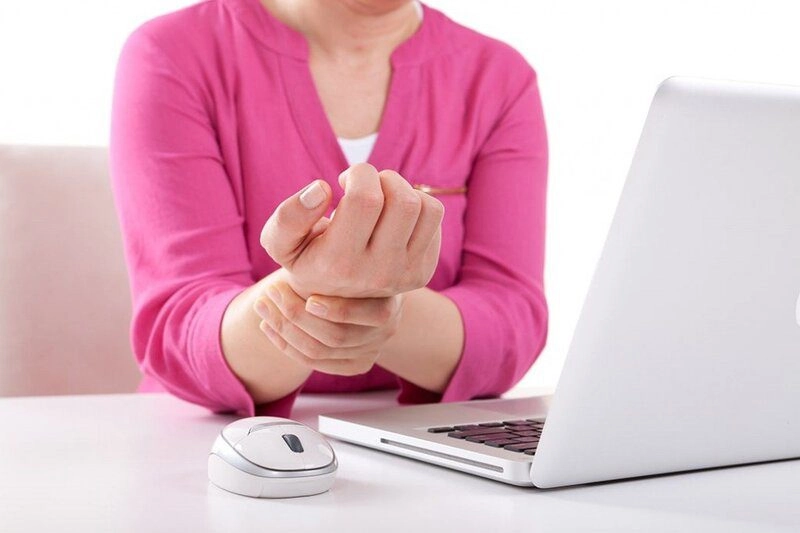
(216, 120)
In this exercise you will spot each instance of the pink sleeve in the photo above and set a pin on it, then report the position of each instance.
(182, 229)
(500, 290)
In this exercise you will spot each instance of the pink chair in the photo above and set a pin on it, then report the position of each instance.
(64, 298)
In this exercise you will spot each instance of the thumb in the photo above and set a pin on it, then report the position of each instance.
(294, 219)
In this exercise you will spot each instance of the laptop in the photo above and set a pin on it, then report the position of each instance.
(686, 354)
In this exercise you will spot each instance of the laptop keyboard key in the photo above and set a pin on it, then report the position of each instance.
(500, 443)
(527, 439)
(488, 437)
(467, 427)
(473, 432)
(513, 435)
(520, 447)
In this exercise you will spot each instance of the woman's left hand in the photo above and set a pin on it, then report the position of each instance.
(334, 335)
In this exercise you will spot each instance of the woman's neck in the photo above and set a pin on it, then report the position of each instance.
(349, 30)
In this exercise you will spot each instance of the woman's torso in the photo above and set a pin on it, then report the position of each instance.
(253, 76)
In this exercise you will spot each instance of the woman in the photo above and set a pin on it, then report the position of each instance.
(246, 290)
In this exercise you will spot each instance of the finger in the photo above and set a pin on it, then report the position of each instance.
(273, 337)
(359, 208)
(315, 337)
(337, 367)
(296, 337)
(372, 312)
(284, 346)
(401, 208)
(321, 225)
(329, 333)
(290, 224)
(428, 225)
(318, 229)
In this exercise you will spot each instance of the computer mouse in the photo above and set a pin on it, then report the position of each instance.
(270, 457)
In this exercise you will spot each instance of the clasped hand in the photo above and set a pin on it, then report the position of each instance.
(338, 297)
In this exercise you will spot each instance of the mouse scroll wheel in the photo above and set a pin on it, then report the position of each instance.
(293, 442)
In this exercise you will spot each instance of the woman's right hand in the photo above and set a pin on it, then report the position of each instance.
(383, 240)
(329, 334)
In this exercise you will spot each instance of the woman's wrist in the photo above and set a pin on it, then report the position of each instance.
(427, 347)
(266, 372)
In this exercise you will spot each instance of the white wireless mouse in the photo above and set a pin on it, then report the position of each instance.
(269, 457)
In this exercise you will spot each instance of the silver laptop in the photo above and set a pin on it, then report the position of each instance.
(687, 352)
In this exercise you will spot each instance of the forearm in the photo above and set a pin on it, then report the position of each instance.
(427, 346)
(267, 373)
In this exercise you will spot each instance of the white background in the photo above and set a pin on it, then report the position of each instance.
(599, 63)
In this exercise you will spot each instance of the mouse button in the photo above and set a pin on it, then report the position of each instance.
(234, 434)
(237, 430)
(293, 442)
(267, 449)
(318, 453)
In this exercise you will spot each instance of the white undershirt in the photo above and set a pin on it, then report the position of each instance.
(358, 150)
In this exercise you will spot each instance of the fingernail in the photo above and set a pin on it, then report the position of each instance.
(316, 308)
(312, 196)
(261, 309)
(274, 294)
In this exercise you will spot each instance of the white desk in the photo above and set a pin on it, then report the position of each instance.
(138, 463)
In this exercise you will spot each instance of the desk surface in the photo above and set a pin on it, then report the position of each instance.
(138, 463)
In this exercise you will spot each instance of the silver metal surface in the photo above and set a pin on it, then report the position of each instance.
(687, 352)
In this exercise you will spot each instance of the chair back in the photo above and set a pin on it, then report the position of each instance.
(65, 305)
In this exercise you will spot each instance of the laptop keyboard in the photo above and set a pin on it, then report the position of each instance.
(520, 436)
